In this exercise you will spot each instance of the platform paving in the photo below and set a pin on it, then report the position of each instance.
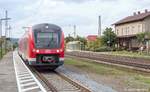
(7, 74)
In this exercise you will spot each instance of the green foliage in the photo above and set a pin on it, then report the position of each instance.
(148, 34)
(15, 45)
(90, 46)
(68, 39)
(93, 67)
(103, 49)
(93, 45)
(132, 54)
(141, 37)
(109, 37)
(81, 39)
(98, 43)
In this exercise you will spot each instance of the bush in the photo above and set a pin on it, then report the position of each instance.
(103, 49)
(120, 49)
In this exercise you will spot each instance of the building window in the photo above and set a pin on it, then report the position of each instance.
(139, 28)
(128, 31)
(117, 32)
(132, 30)
(122, 32)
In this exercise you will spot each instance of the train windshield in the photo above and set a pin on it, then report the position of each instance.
(47, 40)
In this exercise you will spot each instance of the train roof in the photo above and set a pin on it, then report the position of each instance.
(47, 26)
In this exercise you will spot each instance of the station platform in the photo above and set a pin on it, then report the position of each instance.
(7, 74)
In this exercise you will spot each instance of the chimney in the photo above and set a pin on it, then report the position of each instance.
(146, 11)
(99, 26)
(138, 12)
(134, 13)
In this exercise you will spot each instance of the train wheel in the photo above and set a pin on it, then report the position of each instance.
(26, 62)
(54, 67)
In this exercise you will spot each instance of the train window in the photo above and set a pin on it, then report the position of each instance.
(47, 39)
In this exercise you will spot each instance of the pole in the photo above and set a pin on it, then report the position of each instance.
(6, 25)
(74, 27)
(99, 26)
(1, 37)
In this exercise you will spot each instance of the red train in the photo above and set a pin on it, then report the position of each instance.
(43, 45)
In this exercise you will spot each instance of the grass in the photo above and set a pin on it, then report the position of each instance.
(108, 70)
(3, 53)
(131, 54)
(97, 68)
(143, 79)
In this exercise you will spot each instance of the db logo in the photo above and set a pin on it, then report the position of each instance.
(47, 51)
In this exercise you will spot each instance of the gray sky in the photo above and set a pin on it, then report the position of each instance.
(65, 13)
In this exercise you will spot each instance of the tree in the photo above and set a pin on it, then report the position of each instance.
(81, 39)
(148, 34)
(109, 37)
(94, 45)
(98, 42)
(141, 38)
(68, 39)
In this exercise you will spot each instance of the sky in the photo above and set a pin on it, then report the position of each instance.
(66, 13)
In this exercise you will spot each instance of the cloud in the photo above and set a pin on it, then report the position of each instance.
(74, 1)
(82, 13)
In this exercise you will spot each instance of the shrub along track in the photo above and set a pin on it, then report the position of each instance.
(57, 82)
(129, 62)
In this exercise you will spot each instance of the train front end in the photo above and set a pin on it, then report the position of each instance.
(46, 46)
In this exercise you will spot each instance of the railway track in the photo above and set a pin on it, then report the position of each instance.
(53, 80)
(57, 82)
(133, 63)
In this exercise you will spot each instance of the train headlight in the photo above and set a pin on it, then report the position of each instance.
(57, 50)
(33, 50)
(61, 50)
(37, 51)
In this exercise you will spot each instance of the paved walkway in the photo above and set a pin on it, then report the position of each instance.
(7, 74)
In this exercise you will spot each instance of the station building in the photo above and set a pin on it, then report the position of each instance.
(74, 45)
(127, 28)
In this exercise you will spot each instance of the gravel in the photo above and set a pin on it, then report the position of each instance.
(83, 79)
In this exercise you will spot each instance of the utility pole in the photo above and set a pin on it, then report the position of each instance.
(74, 33)
(2, 19)
(9, 28)
(99, 26)
(6, 25)
(1, 39)
(6, 28)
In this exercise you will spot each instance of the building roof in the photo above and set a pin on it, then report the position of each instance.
(136, 17)
(91, 37)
